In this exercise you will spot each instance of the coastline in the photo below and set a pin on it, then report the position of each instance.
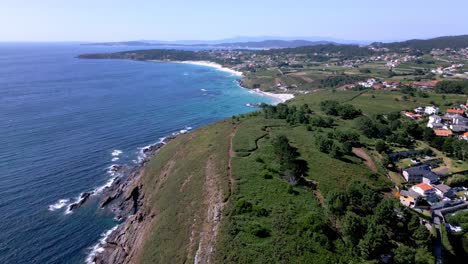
(122, 194)
(279, 97)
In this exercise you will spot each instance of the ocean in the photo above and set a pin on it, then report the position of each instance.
(64, 121)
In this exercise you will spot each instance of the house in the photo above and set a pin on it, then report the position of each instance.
(455, 111)
(423, 189)
(431, 110)
(412, 115)
(378, 86)
(420, 173)
(408, 198)
(459, 124)
(460, 120)
(465, 136)
(443, 132)
(426, 85)
(419, 110)
(435, 121)
(443, 190)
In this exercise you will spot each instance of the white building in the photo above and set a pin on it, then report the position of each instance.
(423, 189)
(431, 110)
(435, 121)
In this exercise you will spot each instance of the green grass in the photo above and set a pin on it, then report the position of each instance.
(176, 196)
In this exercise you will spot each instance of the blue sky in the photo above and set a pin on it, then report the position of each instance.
(114, 20)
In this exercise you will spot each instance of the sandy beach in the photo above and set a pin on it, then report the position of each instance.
(280, 97)
(213, 65)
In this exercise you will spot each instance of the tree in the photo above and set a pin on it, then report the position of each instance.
(422, 236)
(366, 126)
(404, 255)
(381, 146)
(337, 202)
(285, 153)
(423, 256)
(374, 241)
(353, 227)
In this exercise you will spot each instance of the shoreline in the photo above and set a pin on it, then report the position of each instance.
(279, 97)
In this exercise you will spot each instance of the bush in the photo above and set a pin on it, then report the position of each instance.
(258, 230)
(266, 174)
(242, 207)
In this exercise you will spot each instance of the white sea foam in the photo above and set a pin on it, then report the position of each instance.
(116, 152)
(213, 65)
(99, 247)
(108, 184)
(115, 159)
(203, 90)
(59, 204)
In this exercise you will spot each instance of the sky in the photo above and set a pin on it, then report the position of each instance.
(120, 20)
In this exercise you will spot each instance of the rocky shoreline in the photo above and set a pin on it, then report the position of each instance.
(125, 198)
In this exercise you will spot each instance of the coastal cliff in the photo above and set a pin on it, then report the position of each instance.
(172, 206)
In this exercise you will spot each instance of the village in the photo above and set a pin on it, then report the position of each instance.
(426, 174)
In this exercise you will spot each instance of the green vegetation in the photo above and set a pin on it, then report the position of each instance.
(459, 218)
(306, 181)
(452, 87)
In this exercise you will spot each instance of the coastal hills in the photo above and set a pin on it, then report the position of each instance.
(318, 179)
(265, 44)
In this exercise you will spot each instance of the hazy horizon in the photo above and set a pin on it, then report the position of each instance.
(207, 20)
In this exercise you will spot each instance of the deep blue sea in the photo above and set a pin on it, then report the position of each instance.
(63, 120)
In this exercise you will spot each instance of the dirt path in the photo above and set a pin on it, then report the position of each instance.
(215, 204)
(232, 154)
(361, 153)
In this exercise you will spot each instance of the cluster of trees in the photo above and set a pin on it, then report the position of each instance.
(413, 92)
(344, 51)
(338, 142)
(340, 80)
(451, 146)
(392, 129)
(460, 218)
(154, 54)
(370, 225)
(292, 168)
(334, 108)
(452, 87)
(293, 115)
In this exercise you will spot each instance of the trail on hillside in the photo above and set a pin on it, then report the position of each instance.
(231, 154)
(214, 200)
(361, 153)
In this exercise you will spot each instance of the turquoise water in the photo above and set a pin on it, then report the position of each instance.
(62, 121)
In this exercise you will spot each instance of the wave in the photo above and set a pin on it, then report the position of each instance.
(116, 153)
(203, 90)
(59, 204)
(99, 247)
(114, 171)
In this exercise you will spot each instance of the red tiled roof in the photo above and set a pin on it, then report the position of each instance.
(412, 115)
(424, 186)
(442, 132)
(455, 111)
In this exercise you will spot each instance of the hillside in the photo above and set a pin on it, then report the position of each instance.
(264, 44)
(277, 186)
(454, 42)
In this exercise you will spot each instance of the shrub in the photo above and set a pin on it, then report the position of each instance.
(242, 207)
(258, 230)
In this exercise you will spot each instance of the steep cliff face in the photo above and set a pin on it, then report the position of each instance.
(173, 208)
